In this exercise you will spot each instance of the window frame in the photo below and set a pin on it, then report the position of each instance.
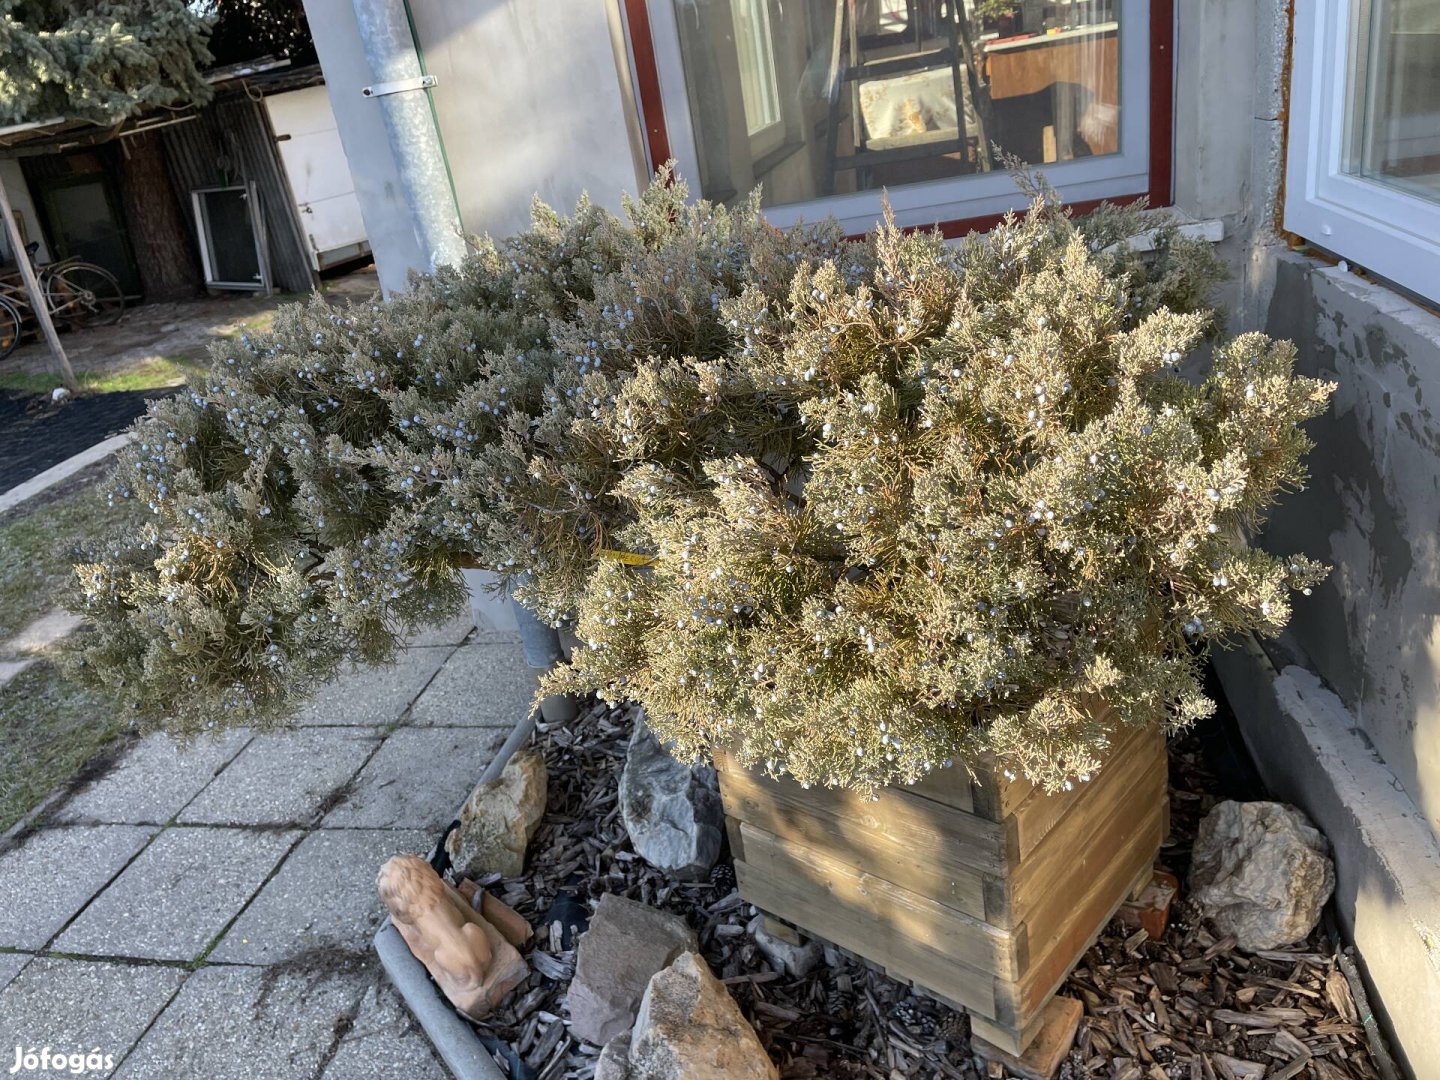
(1386, 230)
(1142, 170)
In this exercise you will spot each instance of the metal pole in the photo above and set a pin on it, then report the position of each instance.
(401, 89)
(37, 295)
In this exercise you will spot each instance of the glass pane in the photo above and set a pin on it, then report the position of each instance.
(1395, 95)
(231, 236)
(810, 98)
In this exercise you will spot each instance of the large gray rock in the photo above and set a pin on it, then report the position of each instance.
(689, 1028)
(1261, 872)
(499, 818)
(671, 810)
(626, 943)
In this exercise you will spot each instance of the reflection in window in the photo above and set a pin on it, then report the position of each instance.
(1394, 123)
(825, 97)
(756, 57)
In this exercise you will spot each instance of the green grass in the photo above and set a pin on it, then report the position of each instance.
(36, 542)
(49, 730)
(162, 371)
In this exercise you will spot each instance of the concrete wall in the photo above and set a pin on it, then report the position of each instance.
(528, 101)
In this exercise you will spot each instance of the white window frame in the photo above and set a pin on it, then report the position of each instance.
(1385, 230)
(959, 198)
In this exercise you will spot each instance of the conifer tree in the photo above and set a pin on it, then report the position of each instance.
(100, 61)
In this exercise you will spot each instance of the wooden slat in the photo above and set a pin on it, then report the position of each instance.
(1046, 901)
(1088, 917)
(949, 787)
(1039, 812)
(841, 820)
(834, 881)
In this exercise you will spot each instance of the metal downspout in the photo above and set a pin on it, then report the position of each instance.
(400, 88)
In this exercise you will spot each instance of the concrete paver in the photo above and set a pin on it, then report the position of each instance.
(251, 860)
(245, 1023)
(375, 696)
(10, 965)
(153, 780)
(324, 895)
(283, 779)
(384, 1043)
(183, 889)
(54, 872)
(417, 779)
(482, 685)
(78, 1006)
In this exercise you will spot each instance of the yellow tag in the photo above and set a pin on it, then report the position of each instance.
(629, 558)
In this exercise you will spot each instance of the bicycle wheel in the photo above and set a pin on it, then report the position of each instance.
(84, 294)
(12, 327)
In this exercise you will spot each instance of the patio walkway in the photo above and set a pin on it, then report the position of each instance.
(208, 912)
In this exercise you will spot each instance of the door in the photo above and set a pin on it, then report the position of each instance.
(82, 215)
(319, 175)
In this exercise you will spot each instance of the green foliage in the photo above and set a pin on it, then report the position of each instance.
(1003, 505)
(99, 61)
(312, 498)
(909, 503)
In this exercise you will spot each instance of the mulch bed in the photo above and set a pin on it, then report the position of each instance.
(1188, 1007)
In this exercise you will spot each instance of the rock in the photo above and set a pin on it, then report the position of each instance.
(614, 1061)
(1261, 872)
(795, 958)
(499, 818)
(689, 1028)
(671, 810)
(468, 958)
(626, 944)
(59, 394)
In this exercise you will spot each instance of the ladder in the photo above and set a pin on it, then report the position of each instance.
(944, 43)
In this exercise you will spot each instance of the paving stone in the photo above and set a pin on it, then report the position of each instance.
(283, 777)
(417, 779)
(43, 632)
(481, 685)
(76, 1006)
(374, 695)
(384, 1044)
(10, 965)
(153, 780)
(451, 632)
(324, 894)
(171, 901)
(54, 873)
(9, 669)
(245, 1023)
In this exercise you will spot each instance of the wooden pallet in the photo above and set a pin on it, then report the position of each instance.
(982, 893)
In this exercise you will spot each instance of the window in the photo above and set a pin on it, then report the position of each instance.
(827, 104)
(230, 230)
(1363, 173)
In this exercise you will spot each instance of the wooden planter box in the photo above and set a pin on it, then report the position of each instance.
(983, 894)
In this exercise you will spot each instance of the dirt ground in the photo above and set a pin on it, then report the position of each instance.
(175, 332)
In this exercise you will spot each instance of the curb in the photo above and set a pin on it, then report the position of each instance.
(56, 473)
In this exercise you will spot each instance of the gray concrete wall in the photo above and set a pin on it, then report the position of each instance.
(1372, 630)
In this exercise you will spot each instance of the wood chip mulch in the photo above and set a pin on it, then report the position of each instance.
(1188, 1007)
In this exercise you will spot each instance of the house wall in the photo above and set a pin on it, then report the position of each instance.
(537, 78)
(21, 202)
(1343, 713)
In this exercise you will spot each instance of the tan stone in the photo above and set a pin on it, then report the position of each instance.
(689, 1028)
(499, 818)
(468, 958)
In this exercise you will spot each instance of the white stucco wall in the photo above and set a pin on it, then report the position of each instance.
(21, 202)
(529, 103)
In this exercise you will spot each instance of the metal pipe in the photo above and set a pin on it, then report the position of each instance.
(390, 49)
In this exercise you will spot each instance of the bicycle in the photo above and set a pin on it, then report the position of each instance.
(78, 294)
